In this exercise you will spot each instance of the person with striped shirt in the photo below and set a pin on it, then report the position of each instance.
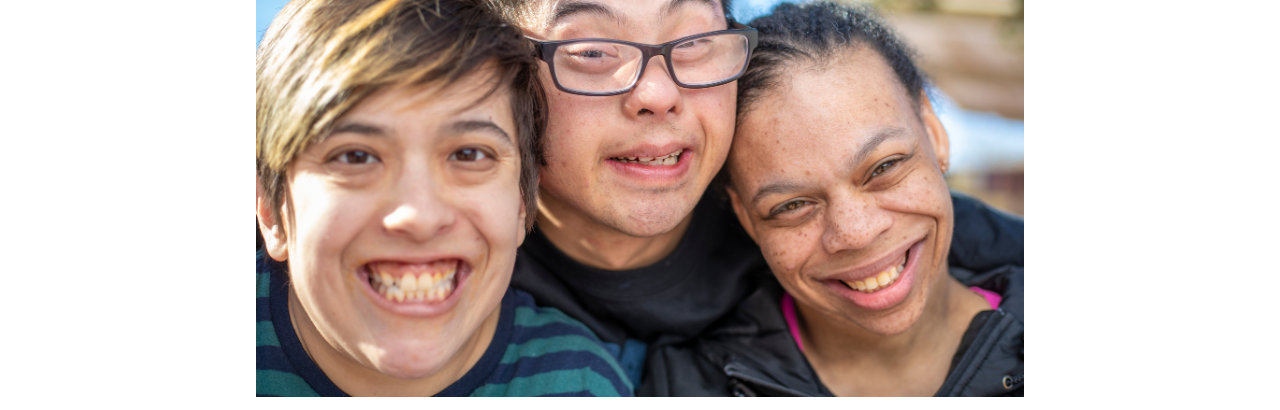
(396, 168)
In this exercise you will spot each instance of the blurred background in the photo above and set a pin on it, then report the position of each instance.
(972, 52)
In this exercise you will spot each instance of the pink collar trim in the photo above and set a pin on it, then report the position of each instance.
(789, 311)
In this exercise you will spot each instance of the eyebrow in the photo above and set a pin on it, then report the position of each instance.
(776, 188)
(866, 150)
(879, 137)
(359, 128)
(565, 10)
(457, 128)
(487, 127)
(674, 5)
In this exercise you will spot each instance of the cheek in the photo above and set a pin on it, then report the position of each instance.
(494, 208)
(328, 219)
(922, 193)
(787, 250)
(569, 140)
(715, 109)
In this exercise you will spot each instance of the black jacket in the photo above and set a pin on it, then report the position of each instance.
(709, 274)
(752, 353)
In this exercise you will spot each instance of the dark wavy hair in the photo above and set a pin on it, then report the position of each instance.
(815, 35)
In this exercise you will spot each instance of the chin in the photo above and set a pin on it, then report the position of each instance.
(410, 363)
(896, 321)
(645, 219)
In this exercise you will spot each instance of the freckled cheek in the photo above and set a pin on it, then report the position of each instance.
(927, 196)
(786, 250)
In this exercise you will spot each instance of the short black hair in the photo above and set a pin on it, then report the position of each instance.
(511, 9)
(817, 33)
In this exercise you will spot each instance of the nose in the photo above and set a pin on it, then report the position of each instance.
(853, 222)
(420, 211)
(655, 94)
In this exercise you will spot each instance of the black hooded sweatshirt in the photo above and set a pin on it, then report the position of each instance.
(713, 269)
(752, 352)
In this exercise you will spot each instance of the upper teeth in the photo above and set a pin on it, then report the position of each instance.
(881, 281)
(669, 159)
(427, 286)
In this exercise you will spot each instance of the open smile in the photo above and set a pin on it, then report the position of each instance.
(415, 289)
(880, 281)
(661, 169)
(883, 287)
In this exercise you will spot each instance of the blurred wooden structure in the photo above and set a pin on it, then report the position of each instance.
(973, 51)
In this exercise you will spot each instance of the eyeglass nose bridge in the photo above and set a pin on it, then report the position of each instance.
(647, 52)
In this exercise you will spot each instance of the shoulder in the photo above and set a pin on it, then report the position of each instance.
(983, 237)
(551, 354)
(275, 376)
(750, 350)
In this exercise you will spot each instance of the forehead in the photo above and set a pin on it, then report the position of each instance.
(819, 116)
(430, 106)
(568, 16)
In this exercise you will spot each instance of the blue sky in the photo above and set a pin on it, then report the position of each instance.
(267, 10)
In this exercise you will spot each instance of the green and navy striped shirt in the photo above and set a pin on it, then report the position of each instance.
(535, 352)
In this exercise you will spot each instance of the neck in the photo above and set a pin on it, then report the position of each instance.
(599, 246)
(834, 338)
(357, 380)
(853, 361)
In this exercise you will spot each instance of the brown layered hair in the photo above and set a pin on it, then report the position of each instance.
(320, 58)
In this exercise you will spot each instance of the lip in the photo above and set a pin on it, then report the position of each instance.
(886, 297)
(651, 175)
(890, 259)
(420, 309)
(651, 150)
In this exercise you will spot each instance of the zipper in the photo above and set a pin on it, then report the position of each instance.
(732, 371)
(1009, 382)
(964, 360)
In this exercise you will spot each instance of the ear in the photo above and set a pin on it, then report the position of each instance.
(523, 226)
(273, 233)
(743, 217)
(933, 126)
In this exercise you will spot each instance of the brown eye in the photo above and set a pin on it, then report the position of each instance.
(468, 154)
(884, 167)
(356, 157)
(788, 207)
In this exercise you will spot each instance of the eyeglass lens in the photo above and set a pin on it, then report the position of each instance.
(602, 67)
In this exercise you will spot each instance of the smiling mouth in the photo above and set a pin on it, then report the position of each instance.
(882, 280)
(665, 160)
(407, 283)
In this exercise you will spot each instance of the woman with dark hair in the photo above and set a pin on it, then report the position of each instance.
(837, 173)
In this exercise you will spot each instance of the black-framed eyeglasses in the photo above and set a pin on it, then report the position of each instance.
(602, 67)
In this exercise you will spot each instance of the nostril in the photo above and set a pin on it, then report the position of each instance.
(644, 111)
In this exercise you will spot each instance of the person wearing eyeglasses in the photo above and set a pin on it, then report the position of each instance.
(641, 101)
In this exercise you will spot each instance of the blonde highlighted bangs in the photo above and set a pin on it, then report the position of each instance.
(320, 58)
